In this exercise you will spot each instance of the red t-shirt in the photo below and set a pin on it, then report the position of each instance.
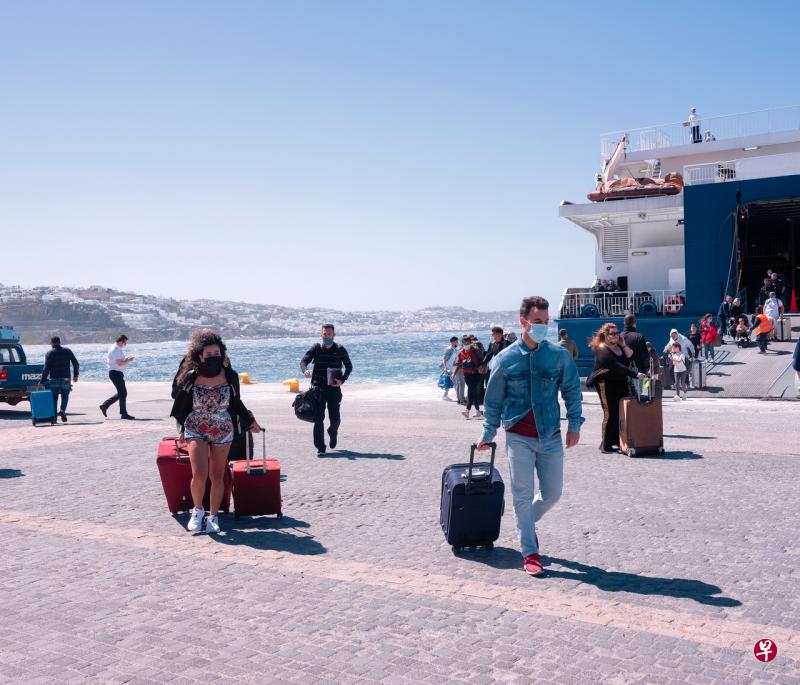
(525, 426)
(466, 356)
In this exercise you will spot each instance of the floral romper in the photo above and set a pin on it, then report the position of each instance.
(209, 419)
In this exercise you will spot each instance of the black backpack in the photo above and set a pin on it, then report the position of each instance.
(305, 405)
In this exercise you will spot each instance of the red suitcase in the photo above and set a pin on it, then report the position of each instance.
(176, 477)
(256, 483)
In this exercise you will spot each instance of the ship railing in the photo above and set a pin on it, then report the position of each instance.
(725, 127)
(710, 172)
(587, 304)
(742, 168)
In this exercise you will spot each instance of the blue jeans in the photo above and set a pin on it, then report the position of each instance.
(526, 457)
(708, 351)
(62, 386)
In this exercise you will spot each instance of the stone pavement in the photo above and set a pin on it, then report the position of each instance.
(659, 570)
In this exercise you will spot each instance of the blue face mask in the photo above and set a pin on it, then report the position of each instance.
(327, 341)
(537, 332)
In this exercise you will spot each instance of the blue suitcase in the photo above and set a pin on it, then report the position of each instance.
(43, 407)
(472, 503)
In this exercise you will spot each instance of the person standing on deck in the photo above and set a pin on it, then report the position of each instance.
(773, 310)
(694, 122)
(724, 316)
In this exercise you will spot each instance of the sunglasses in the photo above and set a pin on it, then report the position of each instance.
(613, 333)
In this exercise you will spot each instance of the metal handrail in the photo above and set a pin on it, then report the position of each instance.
(719, 127)
(589, 304)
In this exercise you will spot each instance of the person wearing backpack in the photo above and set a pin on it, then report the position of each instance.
(328, 359)
(469, 360)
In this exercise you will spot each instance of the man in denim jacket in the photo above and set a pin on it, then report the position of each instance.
(523, 395)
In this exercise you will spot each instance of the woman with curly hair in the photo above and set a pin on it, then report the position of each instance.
(209, 408)
(610, 378)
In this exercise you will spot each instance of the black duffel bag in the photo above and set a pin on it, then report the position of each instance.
(305, 405)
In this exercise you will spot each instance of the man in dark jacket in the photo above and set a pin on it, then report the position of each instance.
(328, 359)
(763, 294)
(637, 343)
(57, 367)
(498, 344)
(724, 316)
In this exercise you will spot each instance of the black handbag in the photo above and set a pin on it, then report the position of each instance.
(305, 405)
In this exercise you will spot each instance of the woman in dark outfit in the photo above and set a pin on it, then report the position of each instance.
(610, 378)
(210, 412)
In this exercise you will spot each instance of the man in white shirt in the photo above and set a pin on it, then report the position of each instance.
(117, 361)
(773, 309)
(694, 122)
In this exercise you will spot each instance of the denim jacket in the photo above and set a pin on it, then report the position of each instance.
(522, 380)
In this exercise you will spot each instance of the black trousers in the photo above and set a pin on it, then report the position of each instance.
(121, 396)
(331, 398)
(473, 380)
(763, 339)
(696, 134)
(610, 395)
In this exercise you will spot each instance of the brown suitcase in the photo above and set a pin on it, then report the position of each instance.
(641, 426)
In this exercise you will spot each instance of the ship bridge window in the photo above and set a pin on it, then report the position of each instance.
(616, 241)
(768, 237)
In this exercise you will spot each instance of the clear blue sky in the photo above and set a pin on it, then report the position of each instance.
(358, 155)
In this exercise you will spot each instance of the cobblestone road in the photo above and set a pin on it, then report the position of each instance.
(659, 570)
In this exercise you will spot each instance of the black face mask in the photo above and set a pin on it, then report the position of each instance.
(210, 367)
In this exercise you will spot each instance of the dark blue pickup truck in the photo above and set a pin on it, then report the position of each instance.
(17, 377)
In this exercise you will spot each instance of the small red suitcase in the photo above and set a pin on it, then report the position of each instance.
(256, 483)
(176, 477)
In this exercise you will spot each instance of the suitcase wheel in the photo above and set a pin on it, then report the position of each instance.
(456, 550)
(53, 422)
(280, 514)
(33, 421)
(631, 452)
(661, 450)
(236, 515)
(489, 546)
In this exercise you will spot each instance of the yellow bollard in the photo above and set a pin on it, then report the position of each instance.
(245, 378)
(293, 383)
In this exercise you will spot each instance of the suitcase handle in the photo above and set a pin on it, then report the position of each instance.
(249, 452)
(180, 457)
(472, 449)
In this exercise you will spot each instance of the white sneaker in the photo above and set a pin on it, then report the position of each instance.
(465, 414)
(684, 396)
(478, 413)
(212, 524)
(196, 520)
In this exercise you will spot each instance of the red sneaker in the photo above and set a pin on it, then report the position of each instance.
(533, 565)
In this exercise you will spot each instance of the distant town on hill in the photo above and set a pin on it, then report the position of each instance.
(97, 314)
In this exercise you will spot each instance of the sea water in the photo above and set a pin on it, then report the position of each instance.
(384, 358)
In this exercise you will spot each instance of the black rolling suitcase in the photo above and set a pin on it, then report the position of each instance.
(472, 503)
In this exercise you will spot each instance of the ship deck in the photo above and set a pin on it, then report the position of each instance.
(743, 372)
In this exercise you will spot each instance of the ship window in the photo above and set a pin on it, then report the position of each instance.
(615, 243)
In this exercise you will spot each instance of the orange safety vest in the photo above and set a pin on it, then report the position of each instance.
(765, 325)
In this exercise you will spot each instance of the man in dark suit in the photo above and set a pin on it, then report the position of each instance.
(636, 341)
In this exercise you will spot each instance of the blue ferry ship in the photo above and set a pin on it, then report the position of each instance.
(683, 214)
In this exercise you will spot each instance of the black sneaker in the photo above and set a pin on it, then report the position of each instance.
(333, 439)
(128, 417)
(321, 453)
(104, 409)
(63, 416)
